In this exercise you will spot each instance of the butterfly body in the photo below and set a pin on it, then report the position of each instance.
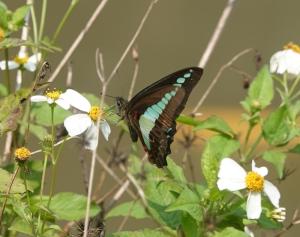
(151, 114)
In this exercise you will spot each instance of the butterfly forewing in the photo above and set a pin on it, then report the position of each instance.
(151, 114)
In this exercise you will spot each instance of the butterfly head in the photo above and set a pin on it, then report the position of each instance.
(121, 106)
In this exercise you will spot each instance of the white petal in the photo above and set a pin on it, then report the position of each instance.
(62, 103)
(272, 192)
(11, 65)
(50, 101)
(90, 137)
(35, 58)
(30, 66)
(263, 171)
(77, 124)
(38, 98)
(105, 129)
(254, 205)
(231, 175)
(285, 61)
(76, 100)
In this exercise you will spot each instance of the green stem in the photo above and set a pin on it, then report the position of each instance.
(28, 199)
(64, 19)
(42, 188)
(42, 20)
(34, 24)
(294, 85)
(253, 147)
(7, 76)
(249, 131)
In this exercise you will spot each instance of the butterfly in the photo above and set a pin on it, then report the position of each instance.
(151, 114)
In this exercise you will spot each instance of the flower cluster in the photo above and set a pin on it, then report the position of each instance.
(84, 121)
(233, 178)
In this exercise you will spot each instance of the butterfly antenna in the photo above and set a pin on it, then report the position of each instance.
(108, 95)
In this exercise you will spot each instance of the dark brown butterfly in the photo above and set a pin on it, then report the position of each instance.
(151, 114)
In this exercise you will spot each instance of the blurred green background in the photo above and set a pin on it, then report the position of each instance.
(174, 36)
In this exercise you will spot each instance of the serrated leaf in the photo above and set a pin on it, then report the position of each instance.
(216, 148)
(261, 89)
(140, 233)
(19, 15)
(133, 209)
(71, 206)
(176, 171)
(189, 202)
(277, 129)
(18, 184)
(277, 159)
(232, 232)
(215, 124)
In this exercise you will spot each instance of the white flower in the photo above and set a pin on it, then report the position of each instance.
(51, 97)
(233, 177)
(279, 214)
(22, 61)
(286, 61)
(248, 231)
(85, 121)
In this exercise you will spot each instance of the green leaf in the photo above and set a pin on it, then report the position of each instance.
(39, 131)
(268, 223)
(277, 129)
(295, 149)
(5, 180)
(3, 16)
(21, 226)
(215, 124)
(18, 17)
(190, 226)
(216, 148)
(140, 233)
(41, 113)
(176, 171)
(71, 206)
(188, 120)
(11, 110)
(3, 90)
(261, 89)
(277, 159)
(189, 202)
(232, 232)
(133, 209)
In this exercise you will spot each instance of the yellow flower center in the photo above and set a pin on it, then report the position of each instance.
(22, 153)
(254, 182)
(21, 60)
(95, 113)
(53, 94)
(292, 46)
(1, 34)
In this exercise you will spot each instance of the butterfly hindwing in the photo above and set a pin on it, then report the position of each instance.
(151, 114)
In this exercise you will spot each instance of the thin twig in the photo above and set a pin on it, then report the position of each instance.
(135, 57)
(78, 40)
(217, 77)
(114, 71)
(216, 34)
(118, 194)
(113, 175)
(7, 193)
(56, 144)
